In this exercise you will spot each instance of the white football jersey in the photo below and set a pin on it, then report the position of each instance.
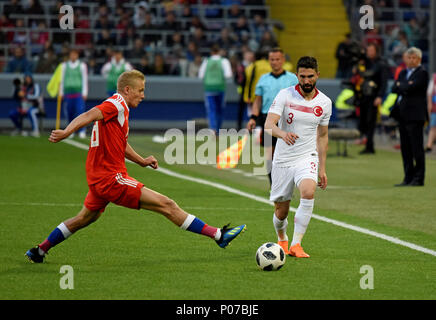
(301, 117)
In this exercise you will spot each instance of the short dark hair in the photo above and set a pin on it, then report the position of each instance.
(276, 49)
(308, 63)
(215, 48)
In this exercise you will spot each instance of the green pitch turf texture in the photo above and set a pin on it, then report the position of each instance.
(130, 254)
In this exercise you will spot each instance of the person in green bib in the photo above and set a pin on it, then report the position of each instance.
(112, 69)
(215, 71)
(73, 88)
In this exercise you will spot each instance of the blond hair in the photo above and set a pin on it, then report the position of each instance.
(127, 78)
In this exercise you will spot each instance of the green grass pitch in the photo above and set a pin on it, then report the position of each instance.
(130, 254)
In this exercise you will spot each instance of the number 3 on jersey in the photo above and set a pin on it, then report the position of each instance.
(290, 118)
(94, 135)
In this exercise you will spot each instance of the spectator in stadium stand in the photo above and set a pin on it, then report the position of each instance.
(144, 65)
(93, 67)
(123, 23)
(413, 31)
(40, 37)
(19, 62)
(74, 87)
(107, 176)
(268, 40)
(103, 23)
(5, 22)
(150, 25)
(106, 38)
(186, 11)
(259, 26)
(54, 10)
(406, 3)
(214, 71)
(112, 69)
(34, 8)
(431, 103)
(191, 51)
(375, 81)
(194, 66)
(194, 23)
(128, 40)
(199, 39)
(82, 21)
(13, 7)
(399, 46)
(159, 67)
(137, 50)
(20, 35)
(171, 23)
(227, 39)
(48, 60)
(140, 11)
(240, 26)
(411, 111)
(176, 42)
(234, 12)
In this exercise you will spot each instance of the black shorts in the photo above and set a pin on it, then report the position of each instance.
(261, 122)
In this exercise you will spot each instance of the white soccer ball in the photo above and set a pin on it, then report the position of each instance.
(270, 256)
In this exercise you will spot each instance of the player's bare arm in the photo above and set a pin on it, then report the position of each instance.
(132, 155)
(79, 122)
(322, 146)
(257, 104)
(271, 126)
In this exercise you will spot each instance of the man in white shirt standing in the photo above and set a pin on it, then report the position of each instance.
(299, 118)
(215, 71)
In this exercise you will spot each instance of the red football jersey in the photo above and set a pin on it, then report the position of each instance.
(106, 155)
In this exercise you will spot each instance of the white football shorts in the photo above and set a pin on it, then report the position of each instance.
(285, 178)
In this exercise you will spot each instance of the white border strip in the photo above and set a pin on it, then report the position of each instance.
(266, 201)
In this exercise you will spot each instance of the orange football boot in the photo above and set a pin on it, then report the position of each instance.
(285, 245)
(297, 251)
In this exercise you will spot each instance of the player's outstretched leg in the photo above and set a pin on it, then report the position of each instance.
(62, 232)
(154, 201)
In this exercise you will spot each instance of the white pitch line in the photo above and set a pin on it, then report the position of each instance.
(266, 201)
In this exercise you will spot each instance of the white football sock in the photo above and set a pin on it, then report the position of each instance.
(301, 220)
(280, 227)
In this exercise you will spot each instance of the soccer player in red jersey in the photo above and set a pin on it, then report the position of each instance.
(107, 176)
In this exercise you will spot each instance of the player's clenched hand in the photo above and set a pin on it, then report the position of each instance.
(150, 161)
(289, 138)
(322, 180)
(57, 135)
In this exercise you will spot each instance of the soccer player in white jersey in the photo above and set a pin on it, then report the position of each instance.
(298, 117)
